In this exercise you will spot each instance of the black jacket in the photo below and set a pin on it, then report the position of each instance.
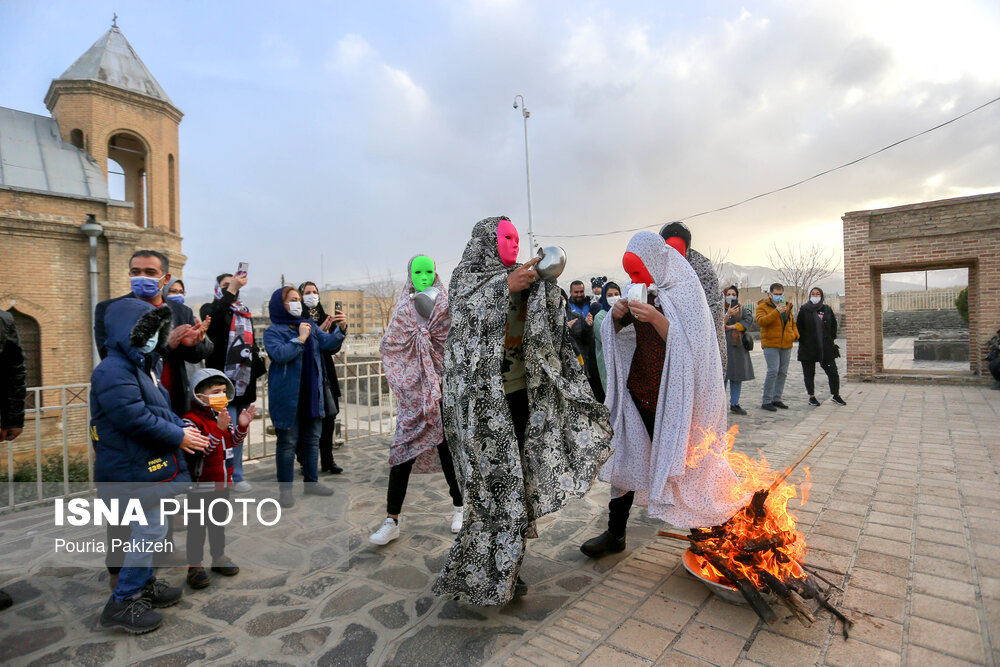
(218, 332)
(180, 398)
(12, 374)
(817, 330)
(329, 367)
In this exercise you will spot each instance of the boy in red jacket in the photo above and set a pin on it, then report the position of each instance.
(212, 471)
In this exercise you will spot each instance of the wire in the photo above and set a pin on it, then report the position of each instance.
(786, 187)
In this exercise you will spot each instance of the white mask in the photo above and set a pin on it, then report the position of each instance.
(295, 308)
(612, 300)
(730, 298)
(311, 300)
(816, 299)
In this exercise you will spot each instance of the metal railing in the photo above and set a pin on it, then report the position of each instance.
(908, 301)
(47, 461)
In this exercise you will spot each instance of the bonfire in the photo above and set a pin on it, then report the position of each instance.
(759, 550)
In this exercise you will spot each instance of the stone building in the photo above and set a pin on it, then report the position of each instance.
(952, 233)
(109, 114)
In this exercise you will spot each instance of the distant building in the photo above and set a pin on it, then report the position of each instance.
(109, 115)
(365, 313)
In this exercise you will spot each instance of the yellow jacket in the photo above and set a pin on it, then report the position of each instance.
(773, 331)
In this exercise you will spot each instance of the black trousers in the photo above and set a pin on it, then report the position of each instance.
(399, 479)
(809, 374)
(995, 369)
(326, 443)
(200, 525)
(619, 508)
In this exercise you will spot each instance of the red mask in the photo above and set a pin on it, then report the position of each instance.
(677, 243)
(636, 270)
(507, 242)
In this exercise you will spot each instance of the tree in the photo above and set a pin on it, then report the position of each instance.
(962, 304)
(800, 267)
(381, 293)
(718, 259)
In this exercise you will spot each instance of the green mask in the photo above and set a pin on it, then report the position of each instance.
(422, 272)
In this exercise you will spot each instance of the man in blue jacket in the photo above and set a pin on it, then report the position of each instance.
(137, 441)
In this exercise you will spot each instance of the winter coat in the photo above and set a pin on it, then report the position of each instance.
(739, 368)
(817, 327)
(135, 434)
(218, 332)
(180, 314)
(776, 330)
(212, 470)
(12, 374)
(284, 376)
(329, 365)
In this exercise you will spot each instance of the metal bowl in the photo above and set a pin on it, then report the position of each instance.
(727, 592)
(552, 262)
(424, 301)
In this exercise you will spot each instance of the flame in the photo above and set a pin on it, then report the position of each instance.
(750, 542)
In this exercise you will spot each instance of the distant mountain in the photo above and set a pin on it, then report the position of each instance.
(762, 276)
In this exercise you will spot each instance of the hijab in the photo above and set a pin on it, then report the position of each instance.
(604, 294)
(310, 373)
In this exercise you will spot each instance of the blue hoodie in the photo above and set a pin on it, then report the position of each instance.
(135, 434)
(296, 368)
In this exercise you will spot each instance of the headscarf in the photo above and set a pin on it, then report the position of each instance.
(691, 403)
(566, 439)
(317, 314)
(166, 288)
(604, 294)
(809, 305)
(413, 360)
(310, 373)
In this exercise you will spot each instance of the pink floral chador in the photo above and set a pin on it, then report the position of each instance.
(412, 357)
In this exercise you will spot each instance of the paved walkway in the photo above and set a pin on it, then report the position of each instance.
(905, 502)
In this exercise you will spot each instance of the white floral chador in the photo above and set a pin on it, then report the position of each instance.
(691, 403)
(567, 437)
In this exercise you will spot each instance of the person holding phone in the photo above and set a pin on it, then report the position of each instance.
(295, 344)
(778, 332)
(739, 368)
(236, 353)
(312, 308)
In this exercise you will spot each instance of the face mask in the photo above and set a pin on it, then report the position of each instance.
(730, 298)
(145, 288)
(777, 298)
(636, 270)
(816, 299)
(677, 243)
(612, 300)
(295, 308)
(422, 272)
(507, 242)
(150, 344)
(311, 300)
(217, 402)
(179, 298)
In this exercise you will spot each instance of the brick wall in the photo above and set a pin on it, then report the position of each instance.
(951, 233)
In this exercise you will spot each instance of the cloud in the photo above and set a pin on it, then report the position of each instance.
(350, 53)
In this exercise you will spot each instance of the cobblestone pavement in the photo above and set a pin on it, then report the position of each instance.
(905, 502)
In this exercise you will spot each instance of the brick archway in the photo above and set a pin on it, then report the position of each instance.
(946, 234)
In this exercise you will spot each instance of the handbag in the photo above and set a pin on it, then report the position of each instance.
(747, 341)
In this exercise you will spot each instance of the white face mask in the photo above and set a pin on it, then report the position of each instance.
(295, 308)
(612, 300)
(311, 300)
(816, 299)
(730, 298)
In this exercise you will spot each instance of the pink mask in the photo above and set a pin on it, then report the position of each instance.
(507, 242)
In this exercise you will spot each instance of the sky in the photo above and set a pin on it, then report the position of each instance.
(333, 141)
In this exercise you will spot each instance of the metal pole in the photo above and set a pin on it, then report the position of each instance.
(527, 170)
(93, 230)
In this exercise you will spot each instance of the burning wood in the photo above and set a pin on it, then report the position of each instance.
(759, 550)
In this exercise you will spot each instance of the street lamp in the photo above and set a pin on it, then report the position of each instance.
(93, 229)
(527, 168)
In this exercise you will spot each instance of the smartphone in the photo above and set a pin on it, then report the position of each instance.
(242, 269)
(338, 305)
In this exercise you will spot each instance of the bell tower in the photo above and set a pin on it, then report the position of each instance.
(108, 104)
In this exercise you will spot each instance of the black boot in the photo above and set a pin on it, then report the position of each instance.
(5, 601)
(135, 615)
(520, 588)
(603, 544)
(334, 469)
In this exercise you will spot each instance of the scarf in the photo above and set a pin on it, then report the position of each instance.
(239, 345)
(311, 380)
(413, 361)
(691, 403)
(566, 440)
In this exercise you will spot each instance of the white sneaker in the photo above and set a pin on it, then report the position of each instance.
(386, 533)
(456, 519)
(242, 486)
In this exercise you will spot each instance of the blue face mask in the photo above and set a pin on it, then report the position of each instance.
(179, 298)
(777, 298)
(145, 288)
(150, 344)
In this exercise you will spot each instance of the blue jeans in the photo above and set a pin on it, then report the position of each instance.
(777, 371)
(137, 568)
(234, 415)
(734, 392)
(304, 434)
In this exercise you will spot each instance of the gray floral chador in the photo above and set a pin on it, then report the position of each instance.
(567, 438)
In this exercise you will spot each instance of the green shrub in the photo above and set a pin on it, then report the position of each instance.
(962, 304)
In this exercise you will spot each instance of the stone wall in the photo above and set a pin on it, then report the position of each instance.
(913, 323)
(951, 233)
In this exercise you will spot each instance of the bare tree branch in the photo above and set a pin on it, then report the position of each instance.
(800, 267)
(718, 259)
(384, 290)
